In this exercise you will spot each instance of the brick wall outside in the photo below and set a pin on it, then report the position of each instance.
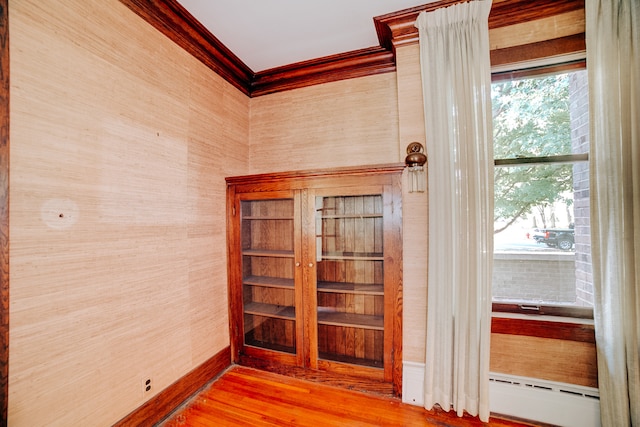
(536, 277)
(557, 277)
(579, 112)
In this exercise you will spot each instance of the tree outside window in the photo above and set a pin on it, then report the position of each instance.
(542, 254)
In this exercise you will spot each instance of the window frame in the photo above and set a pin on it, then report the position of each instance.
(549, 66)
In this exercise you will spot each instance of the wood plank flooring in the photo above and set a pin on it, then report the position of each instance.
(249, 397)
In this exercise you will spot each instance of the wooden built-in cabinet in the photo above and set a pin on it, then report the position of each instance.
(315, 277)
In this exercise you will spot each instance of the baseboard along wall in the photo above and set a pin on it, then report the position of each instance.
(162, 404)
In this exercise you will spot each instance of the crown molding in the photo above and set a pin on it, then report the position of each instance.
(398, 29)
(175, 22)
(358, 63)
(394, 30)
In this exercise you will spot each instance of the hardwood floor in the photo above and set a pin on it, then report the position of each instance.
(249, 397)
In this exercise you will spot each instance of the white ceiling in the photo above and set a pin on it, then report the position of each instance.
(268, 34)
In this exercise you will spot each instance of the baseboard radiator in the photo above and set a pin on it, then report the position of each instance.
(532, 399)
(544, 401)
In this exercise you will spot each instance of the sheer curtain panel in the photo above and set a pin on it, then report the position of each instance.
(456, 80)
(613, 58)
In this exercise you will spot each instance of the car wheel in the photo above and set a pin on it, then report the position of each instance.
(565, 244)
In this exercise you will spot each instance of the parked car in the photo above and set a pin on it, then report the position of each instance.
(561, 238)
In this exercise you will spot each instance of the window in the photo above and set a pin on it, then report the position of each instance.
(542, 256)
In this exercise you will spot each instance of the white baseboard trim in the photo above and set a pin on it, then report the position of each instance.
(527, 398)
(413, 383)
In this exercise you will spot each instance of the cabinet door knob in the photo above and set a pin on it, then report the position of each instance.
(310, 264)
(297, 264)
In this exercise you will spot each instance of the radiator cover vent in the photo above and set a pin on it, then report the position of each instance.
(545, 401)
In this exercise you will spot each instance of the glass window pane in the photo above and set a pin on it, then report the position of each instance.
(542, 252)
(532, 117)
(537, 244)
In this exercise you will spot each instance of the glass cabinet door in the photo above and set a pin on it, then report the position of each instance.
(269, 308)
(350, 279)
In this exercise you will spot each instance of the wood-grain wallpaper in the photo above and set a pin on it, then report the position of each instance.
(120, 144)
(345, 123)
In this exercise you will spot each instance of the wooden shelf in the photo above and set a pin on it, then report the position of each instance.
(351, 288)
(352, 216)
(350, 320)
(269, 282)
(354, 256)
(250, 340)
(267, 253)
(351, 360)
(270, 310)
(268, 218)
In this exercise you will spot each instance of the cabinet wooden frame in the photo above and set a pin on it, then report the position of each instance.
(304, 188)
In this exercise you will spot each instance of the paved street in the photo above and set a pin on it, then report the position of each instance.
(516, 241)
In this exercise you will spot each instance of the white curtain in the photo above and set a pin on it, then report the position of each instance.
(456, 80)
(613, 61)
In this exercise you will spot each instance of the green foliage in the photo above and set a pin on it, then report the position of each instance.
(530, 119)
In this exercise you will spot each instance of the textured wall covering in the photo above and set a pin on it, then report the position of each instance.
(345, 123)
(120, 145)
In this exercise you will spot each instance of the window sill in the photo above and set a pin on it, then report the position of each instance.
(553, 327)
(542, 318)
(564, 312)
